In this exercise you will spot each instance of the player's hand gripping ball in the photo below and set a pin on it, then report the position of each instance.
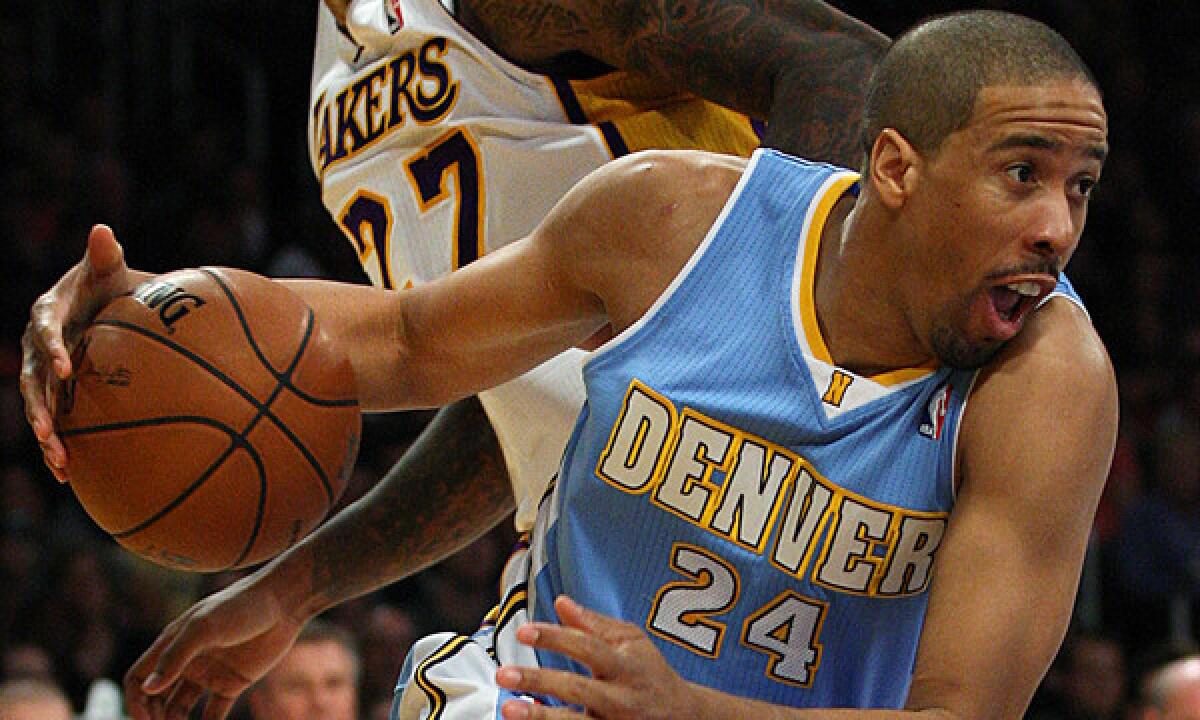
(210, 423)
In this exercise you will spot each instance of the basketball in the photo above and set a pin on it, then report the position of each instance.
(210, 424)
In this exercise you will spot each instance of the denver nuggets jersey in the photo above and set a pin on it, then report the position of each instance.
(769, 518)
(432, 150)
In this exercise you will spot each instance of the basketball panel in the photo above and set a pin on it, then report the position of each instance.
(189, 310)
(175, 372)
(123, 477)
(211, 529)
(123, 376)
(296, 499)
(277, 320)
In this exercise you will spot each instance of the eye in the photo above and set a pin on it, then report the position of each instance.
(1021, 172)
(1085, 186)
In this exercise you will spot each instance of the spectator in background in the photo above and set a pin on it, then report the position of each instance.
(76, 618)
(30, 699)
(317, 678)
(1172, 691)
(1157, 554)
(28, 661)
(1087, 682)
(385, 637)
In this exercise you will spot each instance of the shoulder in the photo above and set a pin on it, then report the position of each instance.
(534, 32)
(1059, 347)
(1047, 401)
(657, 168)
(663, 187)
(629, 227)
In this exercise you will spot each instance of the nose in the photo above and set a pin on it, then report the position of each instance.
(1055, 229)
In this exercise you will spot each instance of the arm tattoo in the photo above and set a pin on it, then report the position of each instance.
(450, 488)
(800, 64)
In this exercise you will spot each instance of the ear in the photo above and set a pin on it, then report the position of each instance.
(892, 168)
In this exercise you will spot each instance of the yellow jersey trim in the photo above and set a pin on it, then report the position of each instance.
(808, 289)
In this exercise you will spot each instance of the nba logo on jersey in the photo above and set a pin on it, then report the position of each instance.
(932, 427)
(395, 17)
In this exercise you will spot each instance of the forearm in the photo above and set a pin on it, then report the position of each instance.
(365, 322)
(820, 119)
(801, 65)
(449, 488)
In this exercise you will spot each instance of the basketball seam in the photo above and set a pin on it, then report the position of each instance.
(236, 440)
(262, 409)
(283, 379)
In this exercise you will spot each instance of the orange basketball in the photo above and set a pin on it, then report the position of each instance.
(210, 424)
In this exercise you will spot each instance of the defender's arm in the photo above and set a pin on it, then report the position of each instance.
(801, 65)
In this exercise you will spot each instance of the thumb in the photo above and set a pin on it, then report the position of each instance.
(104, 254)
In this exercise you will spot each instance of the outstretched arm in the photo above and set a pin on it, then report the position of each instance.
(408, 348)
(449, 489)
(801, 65)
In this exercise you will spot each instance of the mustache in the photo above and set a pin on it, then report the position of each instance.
(1036, 267)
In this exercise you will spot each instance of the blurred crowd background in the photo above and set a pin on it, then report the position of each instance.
(180, 123)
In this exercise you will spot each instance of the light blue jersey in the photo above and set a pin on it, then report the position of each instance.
(770, 519)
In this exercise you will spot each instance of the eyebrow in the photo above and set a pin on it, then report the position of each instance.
(1098, 152)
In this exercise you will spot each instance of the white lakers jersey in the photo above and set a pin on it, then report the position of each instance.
(431, 150)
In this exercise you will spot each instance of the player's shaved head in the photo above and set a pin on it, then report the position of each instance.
(926, 85)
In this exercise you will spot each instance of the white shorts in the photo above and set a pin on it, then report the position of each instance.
(448, 676)
(453, 677)
(533, 417)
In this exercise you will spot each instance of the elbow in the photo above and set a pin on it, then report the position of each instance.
(864, 41)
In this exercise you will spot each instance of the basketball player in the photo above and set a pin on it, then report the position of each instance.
(33, 699)
(316, 678)
(1172, 691)
(845, 443)
(440, 133)
(822, 463)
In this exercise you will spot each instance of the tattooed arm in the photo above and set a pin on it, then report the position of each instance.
(448, 489)
(800, 64)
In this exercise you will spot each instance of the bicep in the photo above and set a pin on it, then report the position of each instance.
(602, 255)
(1035, 447)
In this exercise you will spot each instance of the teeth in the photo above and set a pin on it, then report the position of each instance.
(1028, 289)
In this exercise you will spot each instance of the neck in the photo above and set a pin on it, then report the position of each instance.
(861, 320)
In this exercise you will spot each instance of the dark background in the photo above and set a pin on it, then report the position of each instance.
(181, 124)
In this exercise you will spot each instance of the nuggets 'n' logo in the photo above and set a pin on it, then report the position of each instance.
(836, 392)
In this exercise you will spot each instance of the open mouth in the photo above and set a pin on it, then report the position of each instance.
(1009, 303)
(1012, 301)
